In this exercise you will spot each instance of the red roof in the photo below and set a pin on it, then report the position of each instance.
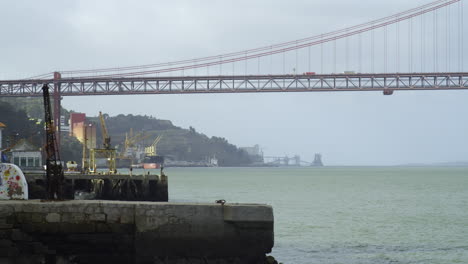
(77, 118)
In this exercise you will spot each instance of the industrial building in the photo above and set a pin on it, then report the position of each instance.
(82, 130)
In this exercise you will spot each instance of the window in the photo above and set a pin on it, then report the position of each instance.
(30, 162)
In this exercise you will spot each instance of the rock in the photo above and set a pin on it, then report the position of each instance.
(271, 260)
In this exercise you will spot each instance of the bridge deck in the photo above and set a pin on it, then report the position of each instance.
(239, 84)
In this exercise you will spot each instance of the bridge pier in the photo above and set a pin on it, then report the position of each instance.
(57, 106)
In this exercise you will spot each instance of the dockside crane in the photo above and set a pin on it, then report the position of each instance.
(54, 170)
(151, 149)
(152, 158)
(105, 135)
(130, 142)
(107, 151)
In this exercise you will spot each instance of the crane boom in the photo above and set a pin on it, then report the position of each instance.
(105, 135)
(156, 141)
(54, 169)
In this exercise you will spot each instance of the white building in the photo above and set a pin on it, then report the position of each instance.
(253, 151)
(25, 155)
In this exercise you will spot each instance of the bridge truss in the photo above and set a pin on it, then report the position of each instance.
(240, 84)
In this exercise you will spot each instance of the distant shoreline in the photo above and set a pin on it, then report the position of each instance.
(343, 166)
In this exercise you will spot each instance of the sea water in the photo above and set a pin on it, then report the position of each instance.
(346, 214)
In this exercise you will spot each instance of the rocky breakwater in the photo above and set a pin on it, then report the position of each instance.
(134, 232)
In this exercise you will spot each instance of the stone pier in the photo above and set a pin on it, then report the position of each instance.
(122, 187)
(134, 232)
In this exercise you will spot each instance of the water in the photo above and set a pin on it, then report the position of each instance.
(346, 215)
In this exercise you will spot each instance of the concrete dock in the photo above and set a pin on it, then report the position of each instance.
(98, 231)
(125, 187)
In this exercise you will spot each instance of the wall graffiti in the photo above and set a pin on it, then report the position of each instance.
(13, 185)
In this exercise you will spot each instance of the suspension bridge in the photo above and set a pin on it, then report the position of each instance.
(418, 49)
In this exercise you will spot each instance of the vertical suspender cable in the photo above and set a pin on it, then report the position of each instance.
(347, 51)
(422, 43)
(462, 37)
(372, 50)
(220, 65)
(284, 62)
(321, 54)
(410, 45)
(436, 52)
(194, 68)
(296, 69)
(271, 60)
(245, 63)
(385, 49)
(258, 65)
(258, 70)
(284, 69)
(360, 52)
(459, 36)
(334, 56)
(447, 39)
(397, 66)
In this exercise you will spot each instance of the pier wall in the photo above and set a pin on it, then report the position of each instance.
(134, 232)
(106, 186)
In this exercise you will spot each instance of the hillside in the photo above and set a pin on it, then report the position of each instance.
(177, 143)
(24, 121)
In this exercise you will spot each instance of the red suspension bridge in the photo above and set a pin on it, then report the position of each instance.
(418, 49)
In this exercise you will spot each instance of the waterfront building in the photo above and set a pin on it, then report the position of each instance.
(26, 155)
(255, 153)
(81, 129)
(76, 118)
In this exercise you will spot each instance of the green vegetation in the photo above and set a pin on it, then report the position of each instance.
(32, 106)
(176, 143)
(24, 121)
(19, 125)
(21, 117)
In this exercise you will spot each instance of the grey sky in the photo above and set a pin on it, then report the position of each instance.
(347, 128)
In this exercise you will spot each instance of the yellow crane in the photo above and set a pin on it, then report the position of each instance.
(151, 149)
(105, 135)
(131, 140)
(108, 152)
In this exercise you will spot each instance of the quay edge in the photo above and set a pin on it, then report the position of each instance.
(124, 187)
(97, 231)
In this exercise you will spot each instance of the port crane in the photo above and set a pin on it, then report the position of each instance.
(107, 151)
(54, 170)
(130, 142)
(105, 135)
(151, 149)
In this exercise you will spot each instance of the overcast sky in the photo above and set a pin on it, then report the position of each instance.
(360, 128)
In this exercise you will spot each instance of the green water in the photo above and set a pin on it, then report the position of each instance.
(347, 215)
